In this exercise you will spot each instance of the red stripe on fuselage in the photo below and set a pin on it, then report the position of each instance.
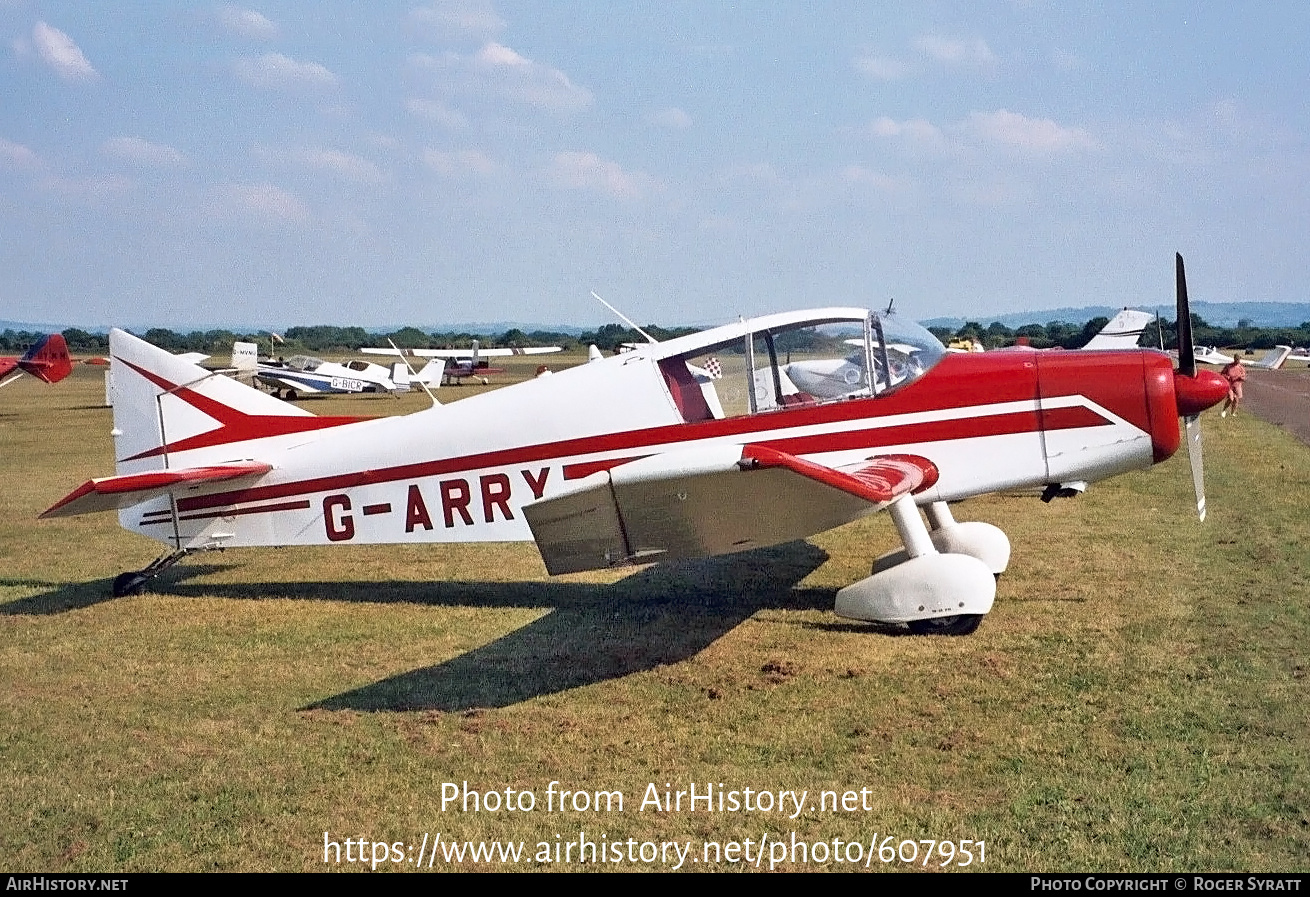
(866, 438)
(259, 509)
(587, 468)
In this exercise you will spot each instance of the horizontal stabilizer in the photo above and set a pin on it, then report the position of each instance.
(714, 500)
(125, 490)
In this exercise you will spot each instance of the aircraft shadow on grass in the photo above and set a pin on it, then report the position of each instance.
(593, 632)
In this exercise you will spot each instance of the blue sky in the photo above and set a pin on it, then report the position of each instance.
(193, 165)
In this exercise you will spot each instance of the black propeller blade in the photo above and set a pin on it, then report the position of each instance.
(1186, 350)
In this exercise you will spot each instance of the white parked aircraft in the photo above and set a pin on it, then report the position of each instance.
(627, 460)
(306, 375)
(462, 363)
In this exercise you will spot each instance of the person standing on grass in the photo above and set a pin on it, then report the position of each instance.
(1235, 373)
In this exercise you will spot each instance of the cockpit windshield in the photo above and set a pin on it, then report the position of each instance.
(305, 363)
(791, 362)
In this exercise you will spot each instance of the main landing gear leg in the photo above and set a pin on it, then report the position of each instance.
(987, 543)
(934, 592)
(135, 580)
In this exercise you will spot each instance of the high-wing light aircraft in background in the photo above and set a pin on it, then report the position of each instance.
(461, 364)
(634, 459)
(46, 360)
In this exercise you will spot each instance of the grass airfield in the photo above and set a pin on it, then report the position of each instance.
(1136, 701)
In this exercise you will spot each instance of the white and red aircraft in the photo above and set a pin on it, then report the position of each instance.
(634, 458)
(461, 364)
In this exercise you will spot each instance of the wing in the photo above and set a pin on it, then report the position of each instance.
(464, 353)
(125, 490)
(715, 500)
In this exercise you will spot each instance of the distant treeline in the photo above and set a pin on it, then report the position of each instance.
(325, 339)
(1075, 336)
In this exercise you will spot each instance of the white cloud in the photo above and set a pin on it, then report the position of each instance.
(1009, 130)
(882, 68)
(858, 175)
(956, 52)
(15, 155)
(90, 188)
(262, 202)
(274, 71)
(437, 112)
(142, 152)
(458, 162)
(459, 17)
(59, 52)
(500, 71)
(917, 130)
(1030, 135)
(494, 54)
(246, 23)
(587, 171)
(672, 118)
(334, 162)
(345, 165)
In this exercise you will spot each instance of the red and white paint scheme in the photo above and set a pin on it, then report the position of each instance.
(47, 360)
(642, 457)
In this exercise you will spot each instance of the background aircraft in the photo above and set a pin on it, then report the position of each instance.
(631, 459)
(462, 363)
(306, 375)
(1276, 358)
(46, 360)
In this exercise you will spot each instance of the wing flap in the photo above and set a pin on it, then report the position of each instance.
(709, 501)
(125, 490)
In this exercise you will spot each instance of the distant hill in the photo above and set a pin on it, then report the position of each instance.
(1217, 314)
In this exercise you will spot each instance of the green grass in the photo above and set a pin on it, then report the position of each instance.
(1135, 701)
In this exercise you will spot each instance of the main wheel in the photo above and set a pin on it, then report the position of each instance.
(960, 624)
(129, 583)
(291, 395)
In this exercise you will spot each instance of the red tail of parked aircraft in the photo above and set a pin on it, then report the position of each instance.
(47, 360)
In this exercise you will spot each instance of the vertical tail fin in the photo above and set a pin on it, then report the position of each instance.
(164, 404)
(245, 358)
(48, 360)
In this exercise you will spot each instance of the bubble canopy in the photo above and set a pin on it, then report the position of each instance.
(793, 358)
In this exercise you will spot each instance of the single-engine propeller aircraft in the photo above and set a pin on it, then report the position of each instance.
(635, 458)
(47, 360)
(306, 375)
(460, 364)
